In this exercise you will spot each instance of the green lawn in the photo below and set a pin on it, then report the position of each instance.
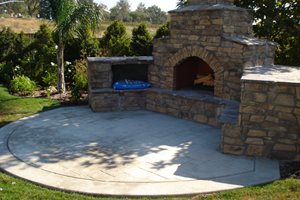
(13, 108)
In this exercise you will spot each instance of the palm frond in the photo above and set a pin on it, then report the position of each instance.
(72, 16)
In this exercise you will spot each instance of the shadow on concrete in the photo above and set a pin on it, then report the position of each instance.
(167, 147)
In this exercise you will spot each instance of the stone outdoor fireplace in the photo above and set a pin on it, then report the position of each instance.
(217, 33)
(211, 70)
(193, 73)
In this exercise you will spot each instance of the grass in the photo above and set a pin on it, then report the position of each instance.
(27, 25)
(13, 108)
(278, 190)
(31, 25)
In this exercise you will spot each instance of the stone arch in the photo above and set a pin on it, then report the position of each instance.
(209, 58)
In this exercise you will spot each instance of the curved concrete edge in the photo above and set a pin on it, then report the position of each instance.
(265, 171)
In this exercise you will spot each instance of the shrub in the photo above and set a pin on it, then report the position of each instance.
(13, 51)
(22, 85)
(115, 41)
(18, 53)
(6, 72)
(7, 38)
(141, 42)
(80, 80)
(41, 53)
(50, 79)
(89, 45)
(69, 73)
(72, 49)
(163, 31)
(75, 94)
(80, 77)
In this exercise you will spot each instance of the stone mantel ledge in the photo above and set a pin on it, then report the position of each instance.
(272, 73)
(249, 41)
(122, 60)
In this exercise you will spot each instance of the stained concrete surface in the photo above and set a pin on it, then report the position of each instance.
(125, 153)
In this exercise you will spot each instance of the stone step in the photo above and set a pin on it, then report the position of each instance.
(230, 113)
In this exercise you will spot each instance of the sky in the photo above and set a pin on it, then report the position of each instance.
(165, 5)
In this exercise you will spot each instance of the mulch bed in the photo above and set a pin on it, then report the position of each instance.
(290, 170)
(65, 99)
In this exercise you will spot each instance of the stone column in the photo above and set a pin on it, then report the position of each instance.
(193, 2)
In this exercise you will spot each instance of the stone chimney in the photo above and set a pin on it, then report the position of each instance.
(210, 2)
(220, 35)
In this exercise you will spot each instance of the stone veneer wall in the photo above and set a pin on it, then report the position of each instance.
(221, 35)
(269, 115)
(196, 108)
(193, 105)
(107, 100)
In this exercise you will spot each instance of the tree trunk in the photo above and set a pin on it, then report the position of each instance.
(61, 85)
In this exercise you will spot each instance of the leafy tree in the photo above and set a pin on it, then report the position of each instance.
(121, 11)
(151, 14)
(45, 9)
(141, 7)
(28, 7)
(163, 31)
(32, 7)
(14, 8)
(68, 16)
(103, 8)
(115, 41)
(182, 3)
(140, 14)
(156, 15)
(141, 42)
(278, 21)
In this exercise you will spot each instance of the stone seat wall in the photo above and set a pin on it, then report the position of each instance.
(199, 106)
(269, 119)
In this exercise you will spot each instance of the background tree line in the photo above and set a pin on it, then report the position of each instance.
(24, 61)
(121, 11)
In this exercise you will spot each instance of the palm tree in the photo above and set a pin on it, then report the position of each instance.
(69, 17)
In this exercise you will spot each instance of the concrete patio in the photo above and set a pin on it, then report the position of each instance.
(138, 153)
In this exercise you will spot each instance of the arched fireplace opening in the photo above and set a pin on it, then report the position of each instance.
(193, 73)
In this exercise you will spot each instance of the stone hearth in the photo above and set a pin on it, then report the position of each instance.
(257, 108)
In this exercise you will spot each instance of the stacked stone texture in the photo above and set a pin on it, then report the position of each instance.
(270, 119)
(221, 35)
(102, 98)
(190, 108)
(209, 32)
